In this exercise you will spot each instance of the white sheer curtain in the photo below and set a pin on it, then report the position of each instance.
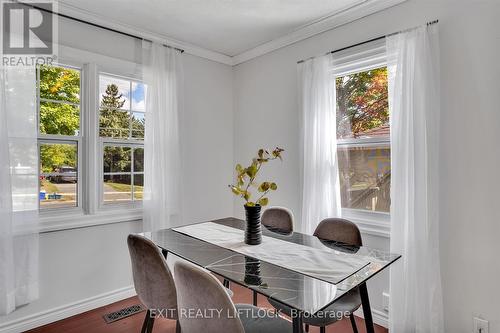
(163, 75)
(18, 188)
(320, 187)
(413, 62)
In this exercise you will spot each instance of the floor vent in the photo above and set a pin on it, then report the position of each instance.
(123, 313)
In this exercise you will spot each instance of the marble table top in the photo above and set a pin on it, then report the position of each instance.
(287, 284)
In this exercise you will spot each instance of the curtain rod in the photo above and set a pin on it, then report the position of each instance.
(95, 25)
(365, 42)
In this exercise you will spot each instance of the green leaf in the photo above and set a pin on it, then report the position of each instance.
(263, 201)
(239, 168)
(250, 204)
(264, 187)
(260, 153)
(277, 153)
(235, 189)
(274, 187)
(252, 170)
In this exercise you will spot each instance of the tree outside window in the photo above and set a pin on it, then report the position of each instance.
(363, 134)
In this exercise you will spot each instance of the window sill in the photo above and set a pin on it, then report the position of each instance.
(79, 220)
(371, 223)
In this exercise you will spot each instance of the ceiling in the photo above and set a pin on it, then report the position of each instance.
(230, 27)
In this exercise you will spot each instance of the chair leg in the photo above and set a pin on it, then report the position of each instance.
(226, 283)
(307, 328)
(254, 298)
(177, 327)
(145, 324)
(322, 329)
(151, 324)
(353, 323)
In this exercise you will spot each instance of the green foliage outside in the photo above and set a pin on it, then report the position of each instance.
(60, 84)
(63, 118)
(58, 118)
(115, 123)
(53, 156)
(112, 122)
(245, 178)
(362, 102)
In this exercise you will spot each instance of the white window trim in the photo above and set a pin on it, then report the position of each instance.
(371, 223)
(74, 220)
(89, 212)
(355, 60)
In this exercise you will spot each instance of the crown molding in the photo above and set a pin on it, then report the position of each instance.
(352, 13)
(355, 12)
(189, 48)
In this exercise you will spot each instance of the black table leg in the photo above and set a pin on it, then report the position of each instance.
(297, 323)
(367, 311)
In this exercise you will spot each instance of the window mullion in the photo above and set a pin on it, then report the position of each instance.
(91, 146)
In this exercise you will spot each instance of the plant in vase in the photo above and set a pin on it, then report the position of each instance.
(246, 183)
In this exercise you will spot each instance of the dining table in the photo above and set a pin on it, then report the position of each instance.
(303, 272)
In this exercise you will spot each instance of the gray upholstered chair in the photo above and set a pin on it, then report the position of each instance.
(199, 290)
(341, 231)
(278, 219)
(153, 280)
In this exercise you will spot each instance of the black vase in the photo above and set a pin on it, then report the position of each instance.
(253, 232)
(252, 272)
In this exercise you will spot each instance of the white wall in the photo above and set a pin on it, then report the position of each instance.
(76, 263)
(80, 264)
(207, 139)
(266, 114)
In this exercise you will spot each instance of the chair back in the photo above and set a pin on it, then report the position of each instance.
(339, 230)
(153, 280)
(200, 292)
(278, 218)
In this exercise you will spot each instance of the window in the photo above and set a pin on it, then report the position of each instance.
(363, 139)
(122, 121)
(90, 144)
(59, 136)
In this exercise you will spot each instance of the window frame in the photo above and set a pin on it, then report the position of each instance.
(105, 141)
(89, 212)
(62, 139)
(355, 60)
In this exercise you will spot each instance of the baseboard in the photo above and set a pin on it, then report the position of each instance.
(65, 311)
(379, 317)
(46, 317)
